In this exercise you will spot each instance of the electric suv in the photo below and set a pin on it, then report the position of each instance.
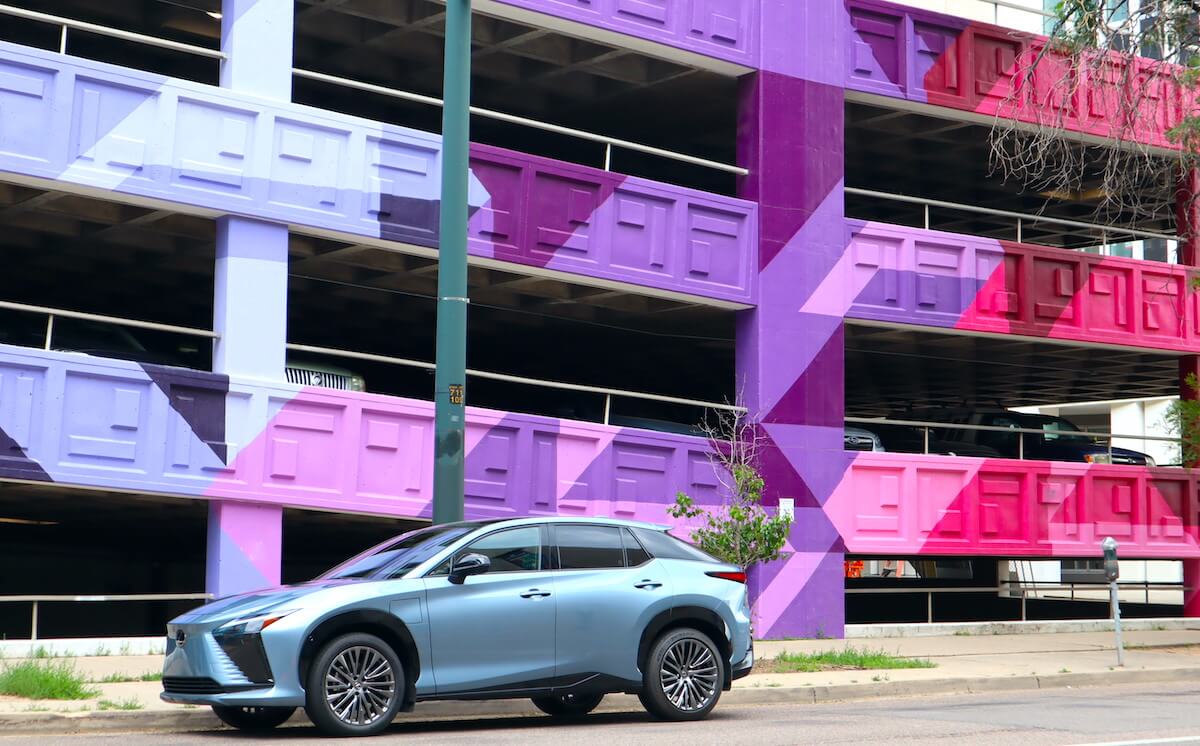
(560, 610)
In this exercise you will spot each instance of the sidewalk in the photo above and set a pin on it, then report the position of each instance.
(964, 664)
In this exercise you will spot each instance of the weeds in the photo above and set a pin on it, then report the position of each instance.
(120, 704)
(850, 659)
(34, 680)
(121, 678)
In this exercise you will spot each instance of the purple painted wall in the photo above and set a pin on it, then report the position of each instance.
(723, 29)
(134, 134)
(790, 354)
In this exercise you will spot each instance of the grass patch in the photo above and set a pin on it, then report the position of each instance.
(33, 680)
(120, 704)
(121, 678)
(847, 659)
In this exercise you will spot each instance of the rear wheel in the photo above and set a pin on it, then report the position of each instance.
(253, 718)
(682, 678)
(355, 686)
(568, 706)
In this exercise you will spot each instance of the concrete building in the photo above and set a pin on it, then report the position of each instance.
(219, 239)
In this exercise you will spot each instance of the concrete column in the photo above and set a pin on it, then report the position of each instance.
(250, 302)
(1190, 364)
(250, 295)
(244, 542)
(250, 298)
(790, 352)
(256, 37)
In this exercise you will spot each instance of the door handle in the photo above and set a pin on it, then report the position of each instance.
(535, 593)
(647, 585)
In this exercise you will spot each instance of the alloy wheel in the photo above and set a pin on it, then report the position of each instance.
(360, 685)
(689, 675)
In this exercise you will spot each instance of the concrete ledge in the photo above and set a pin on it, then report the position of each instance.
(950, 629)
(42, 723)
(85, 646)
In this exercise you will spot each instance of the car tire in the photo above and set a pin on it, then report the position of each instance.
(253, 718)
(355, 686)
(568, 706)
(683, 676)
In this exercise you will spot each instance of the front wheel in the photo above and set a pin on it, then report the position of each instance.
(568, 706)
(682, 677)
(355, 686)
(253, 718)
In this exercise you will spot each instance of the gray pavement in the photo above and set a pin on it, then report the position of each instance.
(1118, 714)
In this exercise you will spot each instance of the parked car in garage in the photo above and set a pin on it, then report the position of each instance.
(1058, 439)
(859, 439)
(91, 337)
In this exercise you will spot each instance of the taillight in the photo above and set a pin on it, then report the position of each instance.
(737, 577)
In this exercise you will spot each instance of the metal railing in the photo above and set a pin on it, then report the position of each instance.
(65, 24)
(927, 426)
(1022, 220)
(608, 142)
(1013, 589)
(608, 393)
(36, 601)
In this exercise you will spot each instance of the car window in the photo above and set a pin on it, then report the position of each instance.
(511, 550)
(664, 546)
(400, 555)
(583, 547)
(634, 553)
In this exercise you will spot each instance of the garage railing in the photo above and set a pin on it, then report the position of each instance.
(1015, 590)
(37, 601)
(928, 428)
(609, 394)
(610, 143)
(1107, 235)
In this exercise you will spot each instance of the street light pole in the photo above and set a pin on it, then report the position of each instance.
(450, 376)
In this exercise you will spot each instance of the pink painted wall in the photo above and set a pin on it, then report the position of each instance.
(902, 504)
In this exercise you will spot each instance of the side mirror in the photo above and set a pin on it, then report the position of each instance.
(467, 565)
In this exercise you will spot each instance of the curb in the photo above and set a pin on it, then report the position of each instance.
(50, 723)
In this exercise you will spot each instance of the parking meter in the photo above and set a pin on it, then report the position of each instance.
(1112, 570)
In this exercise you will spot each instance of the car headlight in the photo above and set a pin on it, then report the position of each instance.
(251, 625)
(1150, 461)
(1098, 458)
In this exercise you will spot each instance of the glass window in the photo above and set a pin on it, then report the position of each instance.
(589, 547)
(664, 546)
(399, 555)
(634, 553)
(513, 550)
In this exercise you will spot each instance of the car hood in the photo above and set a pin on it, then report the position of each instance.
(257, 602)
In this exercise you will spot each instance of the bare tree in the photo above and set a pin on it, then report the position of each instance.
(1136, 63)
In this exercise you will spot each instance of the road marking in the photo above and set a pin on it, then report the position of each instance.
(1145, 742)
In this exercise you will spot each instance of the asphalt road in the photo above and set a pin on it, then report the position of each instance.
(1140, 714)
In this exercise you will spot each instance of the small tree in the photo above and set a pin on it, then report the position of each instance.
(1183, 421)
(740, 530)
(1141, 64)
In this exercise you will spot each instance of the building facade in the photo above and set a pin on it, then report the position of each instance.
(675, 205)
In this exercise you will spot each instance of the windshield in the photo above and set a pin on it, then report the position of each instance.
(396, 557)
(1058, 429)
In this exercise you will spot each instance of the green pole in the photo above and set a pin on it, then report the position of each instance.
(450, 377)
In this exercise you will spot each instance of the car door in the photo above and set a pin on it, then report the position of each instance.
(494, 631)
(608, 589)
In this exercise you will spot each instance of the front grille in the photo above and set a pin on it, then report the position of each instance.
(858, 443)
(320, 378)
(191, 685)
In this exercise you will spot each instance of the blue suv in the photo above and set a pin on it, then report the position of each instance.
(561, 610)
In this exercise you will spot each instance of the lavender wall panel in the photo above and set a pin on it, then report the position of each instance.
(723, 29)
(135, 134)
(103, 423)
